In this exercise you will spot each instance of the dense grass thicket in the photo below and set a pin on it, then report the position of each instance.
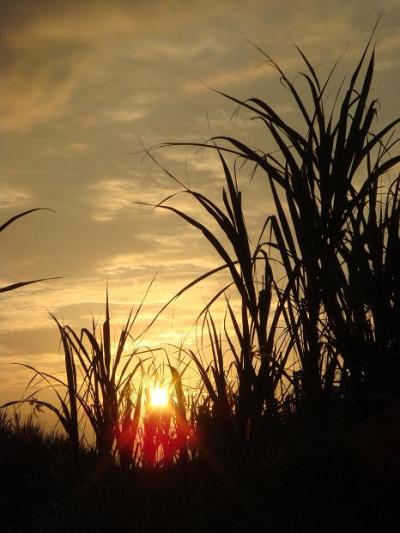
(323, 486)
(295, 423)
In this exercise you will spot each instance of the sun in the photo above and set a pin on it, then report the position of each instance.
(159, 396)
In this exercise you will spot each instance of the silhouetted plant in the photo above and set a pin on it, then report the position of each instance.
(259, 369)
(337, 237)
(100, 384)
(106, 392)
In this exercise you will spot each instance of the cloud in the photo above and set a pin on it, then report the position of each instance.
(195, 160)
(126, 115)
(46, 54)
(112, 198)
(67, 150)
(108, 198)
(48, 51)
(227, 77)
(24, 103)
(55, 55)
(13, 198)
(78, 82)
(78, 147)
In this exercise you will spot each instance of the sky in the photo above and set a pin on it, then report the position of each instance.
(85, 87)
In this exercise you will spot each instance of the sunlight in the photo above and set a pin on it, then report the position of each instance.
(159, 396)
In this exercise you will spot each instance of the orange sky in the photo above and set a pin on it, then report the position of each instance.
(82, 86)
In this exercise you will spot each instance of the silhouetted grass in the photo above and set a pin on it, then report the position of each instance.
(336, 233)
(295, 424)
(325, 487)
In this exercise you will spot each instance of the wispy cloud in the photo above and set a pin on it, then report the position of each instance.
(78, 82)
(126, 115)
(227, 77)
(13, 198)
(237, 76)
(110, 198)
(78, 147)
(67, 150)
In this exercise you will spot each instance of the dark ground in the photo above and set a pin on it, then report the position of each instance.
(346, 483)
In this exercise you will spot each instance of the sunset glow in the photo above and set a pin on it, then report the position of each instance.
(159, 397)
(83, 90)
(200, 288)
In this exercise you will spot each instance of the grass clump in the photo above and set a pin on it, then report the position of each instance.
(335, 232)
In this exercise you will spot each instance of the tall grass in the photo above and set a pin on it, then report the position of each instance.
(107, 387)
(336, 230)
(99, 388)
(322, 338)
(106, 392)
(259, 368)
(343, 229)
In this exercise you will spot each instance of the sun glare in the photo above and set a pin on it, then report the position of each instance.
(158, 396)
